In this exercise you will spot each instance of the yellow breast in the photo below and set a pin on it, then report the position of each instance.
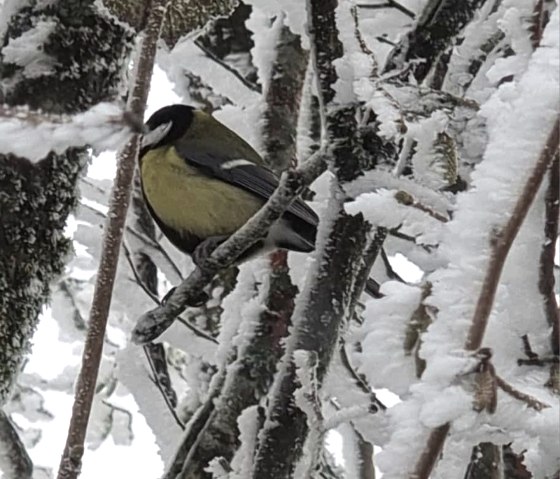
(189, 202)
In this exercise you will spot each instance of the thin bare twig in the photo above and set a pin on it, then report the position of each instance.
(391, 273)
(163, 393)
(195, 428)
(388, 4)
(136, 275)
(408, 200)
(361, 42)
(546, 272)
(531, 401)
(252, 86)
(359, 380)
(71, 460)
(501, 242)
(147, 241)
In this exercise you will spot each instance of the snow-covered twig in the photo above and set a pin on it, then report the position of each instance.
(407, 199)
(437, 26)
(501, 242)
(33, 134)
(307, 399)
(15, 462)
(361, 42)
(194, 431)
(70, 464)
(537, 23)
(154, 322)
(531, 401)
(502, 239)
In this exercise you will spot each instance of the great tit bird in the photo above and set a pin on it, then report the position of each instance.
(202, 182)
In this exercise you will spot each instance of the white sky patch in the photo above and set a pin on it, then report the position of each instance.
(406, 269)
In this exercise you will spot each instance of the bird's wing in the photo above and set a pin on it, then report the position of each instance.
(253, 178)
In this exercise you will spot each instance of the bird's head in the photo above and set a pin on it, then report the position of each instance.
(166, 125)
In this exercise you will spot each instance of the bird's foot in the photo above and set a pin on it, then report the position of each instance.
(195, 302)
(205, 249)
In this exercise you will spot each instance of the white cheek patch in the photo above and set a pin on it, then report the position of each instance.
(156, 135)
(228, 165)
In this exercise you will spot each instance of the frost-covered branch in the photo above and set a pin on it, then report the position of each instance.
(326, 300)
(502, 239)
(531, 401)
(70, 464)
(195, 429)
(436, 28)
(406, 199)
(546, 273)
(182, 17)
(34, 134)
(155, 322)
(500, 244)
(282, 95)
(15, 463)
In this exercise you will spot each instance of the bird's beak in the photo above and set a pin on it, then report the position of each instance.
(153, 137)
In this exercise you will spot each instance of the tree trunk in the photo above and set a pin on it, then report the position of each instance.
(85, 53)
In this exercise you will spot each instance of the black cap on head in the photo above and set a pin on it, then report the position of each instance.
(179, 117)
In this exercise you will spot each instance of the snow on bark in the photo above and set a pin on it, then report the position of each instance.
(37, 198)
(248, 423)
(33, 135)
(27, 50)
(519, 118)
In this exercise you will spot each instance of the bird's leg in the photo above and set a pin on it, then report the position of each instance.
(195, 301)
(205, 249)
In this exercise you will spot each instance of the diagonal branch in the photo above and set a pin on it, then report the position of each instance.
(15, 463)
(435, 30)
(71, 460)
(546, 273)
(156, 321)
(501, 242)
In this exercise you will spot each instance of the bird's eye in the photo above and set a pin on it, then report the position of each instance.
(153, 137)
